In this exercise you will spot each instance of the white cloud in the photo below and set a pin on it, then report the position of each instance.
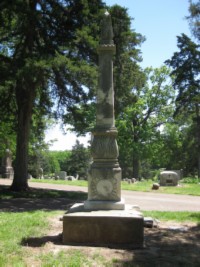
(64, 141)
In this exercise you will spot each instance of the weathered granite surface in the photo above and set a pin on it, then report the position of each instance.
(168, 178)
(113, 228)
(104, 220)
(104, 176)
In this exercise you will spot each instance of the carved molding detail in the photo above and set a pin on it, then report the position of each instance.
(104, 147)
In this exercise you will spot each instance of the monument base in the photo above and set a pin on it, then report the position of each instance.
(111, 228)
(104, 205)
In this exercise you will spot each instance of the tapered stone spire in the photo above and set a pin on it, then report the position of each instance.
(106, 30)
(103, 219)
(104, 177)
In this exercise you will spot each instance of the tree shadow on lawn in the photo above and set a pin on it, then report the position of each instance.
(167, 247)
(36, 242)
(38, 199)
(163, 247)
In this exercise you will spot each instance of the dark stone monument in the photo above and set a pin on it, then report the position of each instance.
(104, 219)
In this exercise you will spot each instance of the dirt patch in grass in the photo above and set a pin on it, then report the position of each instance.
(169, 244)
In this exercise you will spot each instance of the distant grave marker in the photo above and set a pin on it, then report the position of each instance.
(6, 167)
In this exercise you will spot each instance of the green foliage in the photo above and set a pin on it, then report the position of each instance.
(79, 160)
(7, 138)
(55, 161)
(139, 123)
(127, 73)
(125, 61)
(62, 157)
(48, 57)
(168, 151)
(190, 180)
(186, 69)
(194, 18)
(73, 162)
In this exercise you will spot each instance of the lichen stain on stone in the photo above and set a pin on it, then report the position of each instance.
(105, 109)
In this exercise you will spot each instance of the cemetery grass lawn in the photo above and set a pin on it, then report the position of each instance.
(17, 230)
(144, 186)
(182, 189)
(178, 216)
(34, 193)
(64, 182)
(33, 239)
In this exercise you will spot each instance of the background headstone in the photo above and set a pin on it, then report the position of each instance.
(62, 175)
(168, 178)
(6, 168)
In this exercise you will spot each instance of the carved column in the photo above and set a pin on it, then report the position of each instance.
(104, 177)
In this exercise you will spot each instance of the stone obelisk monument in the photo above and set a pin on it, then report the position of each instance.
(103, 219)
(104, 177)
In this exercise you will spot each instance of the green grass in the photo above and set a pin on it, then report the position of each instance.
(16, 231)
(14, 228)
(17, 228)
(70, 258)
(64, 182)
(184, 189)
(34, 193)
(145, 186)
(182, 216)
(189, 188)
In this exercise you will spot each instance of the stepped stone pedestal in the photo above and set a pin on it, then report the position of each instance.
(112, 228)
(104, 219)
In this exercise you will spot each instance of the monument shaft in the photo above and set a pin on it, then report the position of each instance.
(104, 177)
(108, 222)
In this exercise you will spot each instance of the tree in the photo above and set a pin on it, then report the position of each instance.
(186, 71)
(47, 55)
(125, 61)
(7, 137)
(60, 157)
(168, 148)
(79, 160)
(139, 124)
(194, 18)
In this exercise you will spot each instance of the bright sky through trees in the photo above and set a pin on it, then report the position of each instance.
(160, 22)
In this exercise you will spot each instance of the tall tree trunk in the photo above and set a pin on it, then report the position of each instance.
(136, 166)
(197, 121)
(198, 144)
(25, 100)
(135, 155)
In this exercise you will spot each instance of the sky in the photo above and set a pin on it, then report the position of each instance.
(160, 21)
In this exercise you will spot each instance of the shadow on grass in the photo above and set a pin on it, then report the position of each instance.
(163, 247)
(38, 199)
(166, 248)
(36, 242)
(196, 216)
